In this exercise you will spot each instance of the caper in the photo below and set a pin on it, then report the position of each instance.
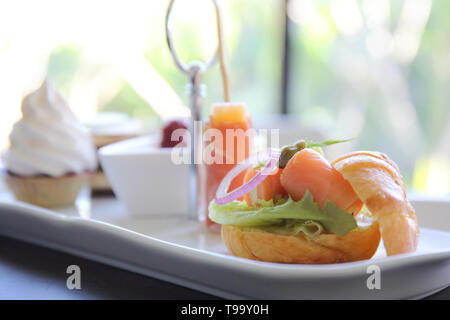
(288, 151)
(286, 155)
(300, 144)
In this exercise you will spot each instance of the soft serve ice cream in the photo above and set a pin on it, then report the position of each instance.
(51, 153)
(49, 140)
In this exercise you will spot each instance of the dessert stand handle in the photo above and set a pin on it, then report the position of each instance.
(194, 70)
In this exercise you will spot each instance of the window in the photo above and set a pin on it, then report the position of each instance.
(374, 69)
(378, 70)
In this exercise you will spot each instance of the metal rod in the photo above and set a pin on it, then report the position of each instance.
(194, 70)
(286, 61)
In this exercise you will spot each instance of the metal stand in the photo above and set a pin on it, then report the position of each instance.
(194, 70)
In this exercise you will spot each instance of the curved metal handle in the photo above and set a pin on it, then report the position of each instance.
(195, 70)
(186, 68)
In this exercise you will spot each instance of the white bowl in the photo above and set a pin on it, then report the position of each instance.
(144, 177)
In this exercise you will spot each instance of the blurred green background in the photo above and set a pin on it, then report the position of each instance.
(374, 69)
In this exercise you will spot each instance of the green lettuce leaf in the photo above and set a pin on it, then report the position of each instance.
(308, 227)
(238, 213)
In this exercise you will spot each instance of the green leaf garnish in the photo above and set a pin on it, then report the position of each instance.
(310, 144)
(238, 213)
(288, 151)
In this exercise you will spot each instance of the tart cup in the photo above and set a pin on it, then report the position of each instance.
(46, 191)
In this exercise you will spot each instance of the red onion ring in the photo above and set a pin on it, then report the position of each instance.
(222, 194)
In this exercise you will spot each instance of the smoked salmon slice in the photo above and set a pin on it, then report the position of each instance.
(266, 190)
(309, 170)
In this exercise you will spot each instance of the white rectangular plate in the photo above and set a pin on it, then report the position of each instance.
(180, 251)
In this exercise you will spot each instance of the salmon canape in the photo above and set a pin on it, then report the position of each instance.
(297, 207)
